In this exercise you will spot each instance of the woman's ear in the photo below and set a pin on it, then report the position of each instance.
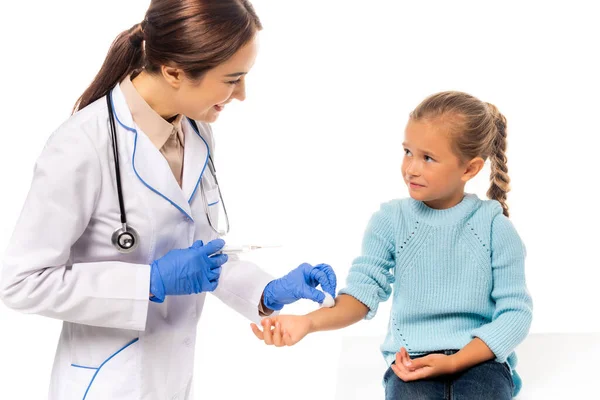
(472, 168)
(173, 76)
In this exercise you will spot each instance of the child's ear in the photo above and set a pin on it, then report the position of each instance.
(472, 168)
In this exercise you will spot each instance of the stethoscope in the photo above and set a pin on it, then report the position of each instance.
(126, 238)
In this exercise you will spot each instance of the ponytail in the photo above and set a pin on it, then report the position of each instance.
(194, 35)
(499, 179)
(124, 56)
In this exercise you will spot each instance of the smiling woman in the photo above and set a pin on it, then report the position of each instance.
(201, 98)
(138, 152)
(194, 45)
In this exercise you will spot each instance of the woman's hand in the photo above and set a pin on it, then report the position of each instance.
(283, 330)
(300, 283)
(423, 367)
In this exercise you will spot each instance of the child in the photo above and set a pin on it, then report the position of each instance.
(453, 264)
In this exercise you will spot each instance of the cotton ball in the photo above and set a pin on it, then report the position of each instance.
(329, 301)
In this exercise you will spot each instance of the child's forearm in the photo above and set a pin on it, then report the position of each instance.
(346, 311)
(475, 352)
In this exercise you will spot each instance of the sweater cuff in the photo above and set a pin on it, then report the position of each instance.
(495, 339)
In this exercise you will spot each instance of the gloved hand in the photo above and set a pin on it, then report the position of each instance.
(187, 271)
(300, 283)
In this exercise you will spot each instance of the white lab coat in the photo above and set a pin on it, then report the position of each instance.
(116, 344)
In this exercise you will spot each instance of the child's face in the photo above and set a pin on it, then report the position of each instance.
(431, 170)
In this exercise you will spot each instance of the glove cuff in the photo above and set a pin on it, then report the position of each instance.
(157, 287)
(268, 300)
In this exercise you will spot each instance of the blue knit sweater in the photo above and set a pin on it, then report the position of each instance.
(453, 274)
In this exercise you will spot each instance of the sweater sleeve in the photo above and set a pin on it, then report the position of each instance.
(370, 280)
(513, 314)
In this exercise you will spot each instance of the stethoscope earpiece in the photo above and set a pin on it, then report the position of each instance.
(125, 239)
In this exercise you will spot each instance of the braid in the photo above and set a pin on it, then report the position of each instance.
(478, 130)
(499, 179)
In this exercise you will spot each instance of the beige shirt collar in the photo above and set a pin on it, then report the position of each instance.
(154, 126)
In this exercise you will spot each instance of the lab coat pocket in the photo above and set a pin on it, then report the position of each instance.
(104, 363)
(115, 378)
(77, 383)
(212, 196)
(213, 204)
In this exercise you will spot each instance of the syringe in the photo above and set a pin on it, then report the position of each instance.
(244, 248)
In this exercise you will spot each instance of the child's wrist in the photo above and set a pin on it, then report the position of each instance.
(455, 363)
(459, 362)
(313, 325)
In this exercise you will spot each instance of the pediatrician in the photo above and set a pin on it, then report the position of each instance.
(119, 234)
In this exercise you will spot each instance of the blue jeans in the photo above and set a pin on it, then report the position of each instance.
(490, 380)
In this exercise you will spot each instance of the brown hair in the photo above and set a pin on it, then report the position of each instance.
(478, 129)
(194, 35)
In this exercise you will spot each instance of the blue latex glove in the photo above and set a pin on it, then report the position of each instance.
(187, 271)
(300, 283)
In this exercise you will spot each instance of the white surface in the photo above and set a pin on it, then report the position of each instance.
(320, 133)
(552, 366)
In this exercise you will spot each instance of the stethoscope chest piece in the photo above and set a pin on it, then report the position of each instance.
(125, 239)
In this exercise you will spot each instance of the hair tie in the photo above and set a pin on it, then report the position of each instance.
(136, 35)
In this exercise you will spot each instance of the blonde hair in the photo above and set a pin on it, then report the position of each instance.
(477, 129)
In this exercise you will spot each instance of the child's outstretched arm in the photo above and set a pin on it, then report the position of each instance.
(287, 330)
(369, 283)
(346, 311)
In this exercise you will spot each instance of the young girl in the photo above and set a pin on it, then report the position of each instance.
(453, 264)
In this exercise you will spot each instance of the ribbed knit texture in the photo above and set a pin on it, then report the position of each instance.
(454, 275)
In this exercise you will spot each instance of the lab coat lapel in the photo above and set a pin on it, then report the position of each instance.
(148, 164)
(195, 160)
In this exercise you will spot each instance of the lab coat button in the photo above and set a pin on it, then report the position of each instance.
(187, 342)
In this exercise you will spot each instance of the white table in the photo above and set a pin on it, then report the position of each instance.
(553, 366)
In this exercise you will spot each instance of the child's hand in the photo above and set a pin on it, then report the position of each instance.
(423, 367)
(282, 330)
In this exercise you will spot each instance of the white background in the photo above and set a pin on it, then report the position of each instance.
(316, 147)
